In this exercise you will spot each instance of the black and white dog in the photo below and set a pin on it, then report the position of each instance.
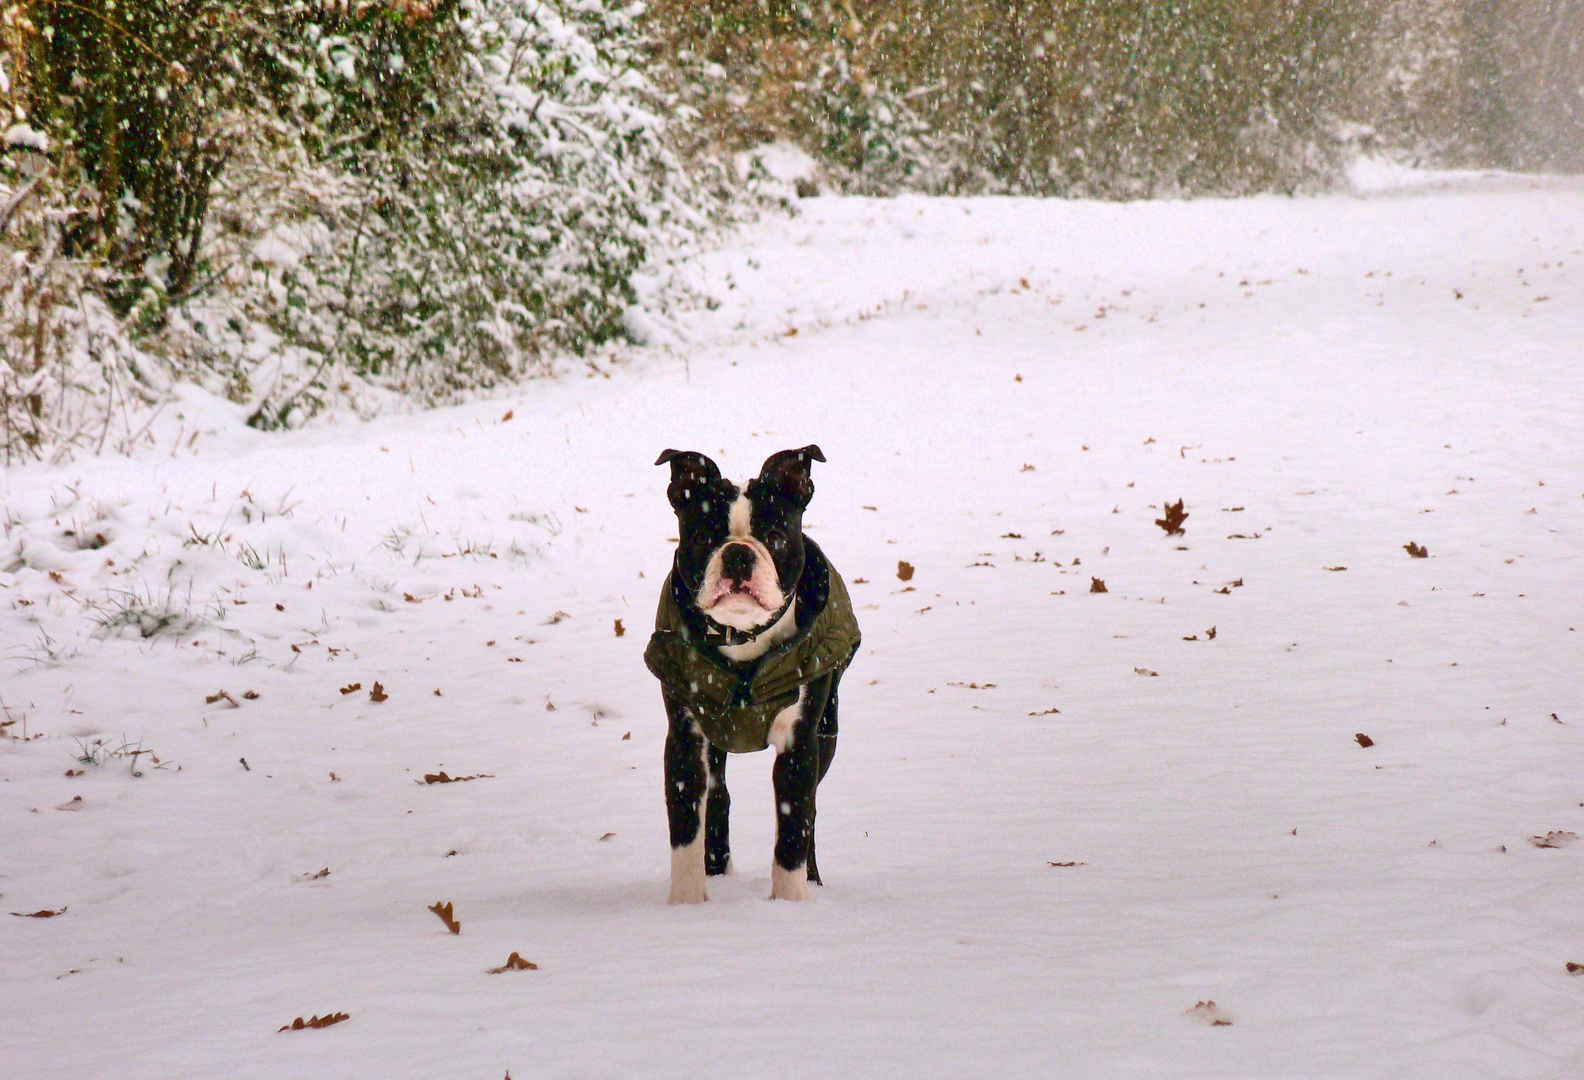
(752, 635)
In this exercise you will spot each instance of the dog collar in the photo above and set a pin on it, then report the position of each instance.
(720, 634)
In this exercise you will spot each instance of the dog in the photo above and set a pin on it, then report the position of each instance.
(752, 635)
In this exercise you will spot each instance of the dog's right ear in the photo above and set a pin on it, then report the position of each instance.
(692, 475)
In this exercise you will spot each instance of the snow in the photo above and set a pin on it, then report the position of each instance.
(1065, 832)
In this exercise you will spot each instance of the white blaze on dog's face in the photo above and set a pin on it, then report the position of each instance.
(741, 548)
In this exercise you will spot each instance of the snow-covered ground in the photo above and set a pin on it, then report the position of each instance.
(1058, 819)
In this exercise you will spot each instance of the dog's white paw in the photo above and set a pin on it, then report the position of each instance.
(788, 884)
(687, 873)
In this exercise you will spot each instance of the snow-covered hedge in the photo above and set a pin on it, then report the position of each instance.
(383, 203)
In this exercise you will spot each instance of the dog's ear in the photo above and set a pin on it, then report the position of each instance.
(787, 473)
(692, 475)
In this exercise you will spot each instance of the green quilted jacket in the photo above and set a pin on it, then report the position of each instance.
(735, 704)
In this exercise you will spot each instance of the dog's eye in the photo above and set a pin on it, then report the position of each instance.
(776, 537)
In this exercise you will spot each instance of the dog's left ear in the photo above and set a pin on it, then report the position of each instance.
(787, 473)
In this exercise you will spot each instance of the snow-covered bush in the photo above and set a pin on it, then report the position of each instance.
(482, 199)
(300, 202)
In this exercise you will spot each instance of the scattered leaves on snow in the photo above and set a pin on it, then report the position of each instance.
(904, 570)
(1208, 1012)
(1416, 551)
(1364, 740)
(444, 911)
(1554, 839)
(324, 1021)
(1175, 516)
(514, 962)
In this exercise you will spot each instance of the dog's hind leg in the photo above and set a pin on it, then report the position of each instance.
(717, 817)
(826, 738)
(687, 806)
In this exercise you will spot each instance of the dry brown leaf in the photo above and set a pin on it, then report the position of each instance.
(1335, 569)
(509, 414)
(973, 685)
(42, 913)
(1066, 863)
(1364, 740)
(1554, 839)
(1175, 516)
(444, 911)
(1095, 584)
(1416, 551)
(73, 803)
(221, 695)
(320, 876)
(250, 695)
(1210, 634)
(627, 737)
(378, 693)
(1208, 1012)
(442, 778)
(607, 836)
(514, 962)
(1146, 671)
(1011, 536)
(351, 688)
(1575, 969)
(74, 772)
(904, 570)
(324, 1021)
(620, 629)
(1047, 712)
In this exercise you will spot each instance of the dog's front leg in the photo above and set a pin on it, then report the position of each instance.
(796, 776)
(687, 793)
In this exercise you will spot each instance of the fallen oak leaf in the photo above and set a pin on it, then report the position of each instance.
(1175, 516)
(378, 693)
(42, 913)
(1364, 740)
(1416, 551)
(904, 570)
(445, 912)
(1047, 712)
(620, 629)
(250, 695)
(1096, 585)
(351, 688)
(324, 1021)
(514, 962)
(221, 695)
(320, 876)
(1066, 863)
(1575, 969)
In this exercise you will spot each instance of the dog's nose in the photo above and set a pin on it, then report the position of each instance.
(737, 562)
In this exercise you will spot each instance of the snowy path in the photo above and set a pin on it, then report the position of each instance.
(1006, 391)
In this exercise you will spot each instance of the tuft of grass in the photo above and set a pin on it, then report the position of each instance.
(150, 614)
(99, 753)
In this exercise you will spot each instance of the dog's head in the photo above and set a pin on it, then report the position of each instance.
(741, 548)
